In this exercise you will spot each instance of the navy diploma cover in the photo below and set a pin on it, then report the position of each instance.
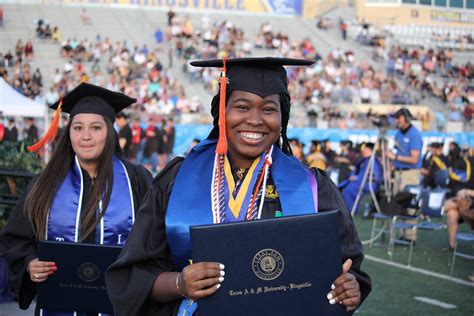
(79, 282)
(280, 266)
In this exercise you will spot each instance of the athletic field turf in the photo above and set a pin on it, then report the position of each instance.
(395, 287)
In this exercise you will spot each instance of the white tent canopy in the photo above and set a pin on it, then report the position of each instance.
(13, 103)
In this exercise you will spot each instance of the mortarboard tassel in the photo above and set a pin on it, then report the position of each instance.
(222, 142)
(52, 130)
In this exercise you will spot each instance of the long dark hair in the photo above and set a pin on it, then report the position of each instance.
(40, 199)
(285, 107)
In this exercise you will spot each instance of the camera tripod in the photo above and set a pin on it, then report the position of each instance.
(381, 144)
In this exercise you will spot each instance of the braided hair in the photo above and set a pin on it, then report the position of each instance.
(285, 106)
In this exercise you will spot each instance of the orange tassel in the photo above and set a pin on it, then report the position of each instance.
(222, 142)
(52, 131)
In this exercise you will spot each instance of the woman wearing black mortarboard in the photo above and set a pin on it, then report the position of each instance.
(71, 200)
(246, 153)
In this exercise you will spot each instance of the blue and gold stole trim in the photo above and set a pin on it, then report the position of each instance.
(64, 217)
(237, 201)
(438, 162)
(191, 197)
(461, 175)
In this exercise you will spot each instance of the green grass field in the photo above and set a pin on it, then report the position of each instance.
(395, 289)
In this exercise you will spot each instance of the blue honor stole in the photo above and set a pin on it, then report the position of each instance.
(296, 186)
(65, 215)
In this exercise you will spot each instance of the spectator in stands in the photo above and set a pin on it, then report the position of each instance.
(343, 28)
(48, 33)
(40, 28)
(37, 78)
(169, 136)
(56, 35)
(85, 18)
(31, 135)
(19, 50)
(170, 15)
(150, 149)
(9, 59)
(124, 134)
(137, 136)
(406, 160)
(1, 16)
(11, 132)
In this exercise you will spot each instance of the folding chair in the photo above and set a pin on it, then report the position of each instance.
(400, 222)
(432, 206)
(394, 221)
(461, 237)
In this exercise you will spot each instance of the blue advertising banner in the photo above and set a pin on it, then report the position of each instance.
(294, 7)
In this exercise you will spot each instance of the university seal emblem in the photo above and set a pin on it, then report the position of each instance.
(268, 264)
(88, 272)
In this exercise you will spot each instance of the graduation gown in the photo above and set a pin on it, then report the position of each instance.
(19, 244)
(147, 254)
(350, 188)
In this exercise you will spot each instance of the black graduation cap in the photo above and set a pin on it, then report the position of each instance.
(85, 98)
(368, 145)
(437, 145)
(262, 76)
(346, 142)
(89, 98)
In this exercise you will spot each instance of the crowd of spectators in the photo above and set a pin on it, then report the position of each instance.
(339, 78)
(434, 73)
(16, 70)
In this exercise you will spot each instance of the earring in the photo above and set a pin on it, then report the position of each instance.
(281, 141)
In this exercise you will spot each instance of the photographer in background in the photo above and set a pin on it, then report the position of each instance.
(406, 159)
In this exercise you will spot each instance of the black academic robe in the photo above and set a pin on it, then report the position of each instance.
(147, 254)
(19, 244)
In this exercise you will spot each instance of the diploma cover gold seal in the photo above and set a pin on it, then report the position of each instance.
(268, 264)
(88, 272)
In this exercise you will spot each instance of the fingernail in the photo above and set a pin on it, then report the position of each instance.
(221, 279)
(221, 266)
(218, 286)
(332, 302)
(222, 273)
(55, 268)
(329, 296)
(333, 286)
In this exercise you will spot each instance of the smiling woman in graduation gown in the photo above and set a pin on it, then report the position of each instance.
(247, 144)
(70, 198)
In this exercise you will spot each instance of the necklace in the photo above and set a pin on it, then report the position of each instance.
(240, 173)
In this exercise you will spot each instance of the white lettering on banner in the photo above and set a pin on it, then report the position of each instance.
(59, 239)
(119, 240)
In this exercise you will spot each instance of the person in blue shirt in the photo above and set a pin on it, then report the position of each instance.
(406, 157)
(350, 186)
